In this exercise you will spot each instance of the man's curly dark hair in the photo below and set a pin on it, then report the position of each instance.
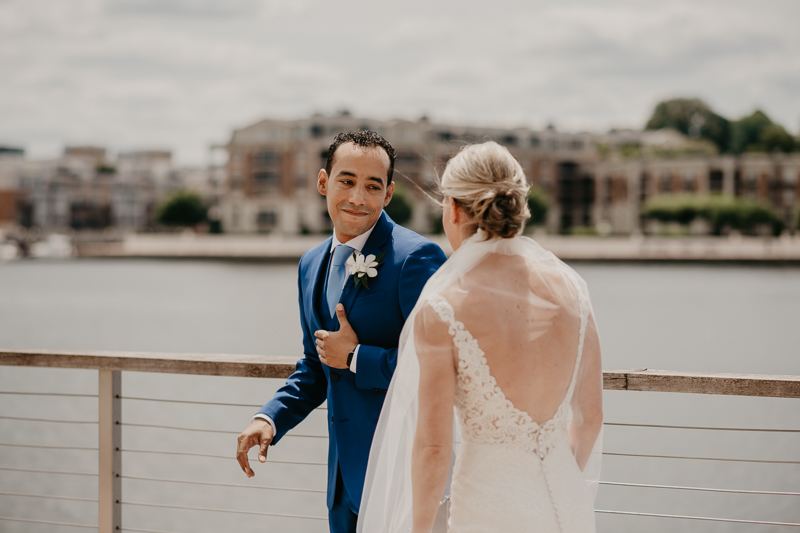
(365, 139)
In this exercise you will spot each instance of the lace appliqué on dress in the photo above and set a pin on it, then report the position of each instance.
(486, 415)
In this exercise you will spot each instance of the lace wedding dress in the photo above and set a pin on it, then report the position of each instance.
(527, 396)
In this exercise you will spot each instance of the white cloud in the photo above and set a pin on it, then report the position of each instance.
(181, 73)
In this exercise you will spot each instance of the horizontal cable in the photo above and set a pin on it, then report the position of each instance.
(703, 458)
(212, 484)
(48, 420)
(47, 496)
(194, 402)
(702, 427)
(710, 519)
(46, 471)
(734, 491)
(46, 522)
(259, 513)
(191, 402)
(216, 456)
(50, 394)
(214, 430)
(144, 530)
(48, 447)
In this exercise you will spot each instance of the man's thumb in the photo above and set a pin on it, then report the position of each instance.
(341, 314)
(262, 452)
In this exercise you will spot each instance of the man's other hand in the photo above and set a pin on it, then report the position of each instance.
(333, 346)
(258, 433)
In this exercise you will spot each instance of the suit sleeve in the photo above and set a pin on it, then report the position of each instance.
(376, 365)
(306, 388)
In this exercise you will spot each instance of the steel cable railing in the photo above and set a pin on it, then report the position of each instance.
(225, 432)
(708, 428)
(226, 485)
(704, 518)
(702, 489)
(48, 522)
(168, 505)
(689, 457)
(39, 471)
(234, 511)
(48, 497)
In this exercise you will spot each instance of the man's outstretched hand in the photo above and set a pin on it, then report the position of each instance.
(258, 433)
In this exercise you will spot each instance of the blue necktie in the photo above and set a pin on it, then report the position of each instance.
(337, 276)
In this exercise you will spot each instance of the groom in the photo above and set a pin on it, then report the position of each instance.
(350, 331)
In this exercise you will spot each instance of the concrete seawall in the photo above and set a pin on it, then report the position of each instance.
(276, 248)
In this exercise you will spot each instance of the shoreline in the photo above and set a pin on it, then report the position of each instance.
(258, 248)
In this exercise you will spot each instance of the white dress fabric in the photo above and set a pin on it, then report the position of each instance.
(527, 392)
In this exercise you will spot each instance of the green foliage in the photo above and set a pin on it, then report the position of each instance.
(537, 204)
(734, 213)
(181, 208)
(399, 208)
(583, 231)
(746, 131)
(692, 117)
(775, 138)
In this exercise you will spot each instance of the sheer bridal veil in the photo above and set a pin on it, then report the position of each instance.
(519, 299)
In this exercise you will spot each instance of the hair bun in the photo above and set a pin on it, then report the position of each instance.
(491, 185)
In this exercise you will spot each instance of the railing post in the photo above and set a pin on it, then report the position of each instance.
(109, 496)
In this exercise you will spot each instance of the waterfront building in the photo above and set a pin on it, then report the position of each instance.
(592, 180)
(85, 188)
(11, 159)
(272, 168)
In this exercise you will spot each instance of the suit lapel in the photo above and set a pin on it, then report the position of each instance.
(375, 246)
(318, 273)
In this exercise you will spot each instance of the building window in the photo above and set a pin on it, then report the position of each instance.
(267, 179)
(266, 220)
(665, 185)
(689, 182)
(266, 158)
(535, 142)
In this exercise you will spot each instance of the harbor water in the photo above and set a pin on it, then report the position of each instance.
(684, 317)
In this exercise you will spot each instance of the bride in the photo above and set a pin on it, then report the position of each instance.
(503, 334)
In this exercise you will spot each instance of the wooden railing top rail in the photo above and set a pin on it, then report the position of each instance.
(264, 366)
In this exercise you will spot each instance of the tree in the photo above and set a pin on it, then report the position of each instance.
(692, 117)
(747, 131)
(776, 139)
(181, 208)
(399, 208)
(537, 204)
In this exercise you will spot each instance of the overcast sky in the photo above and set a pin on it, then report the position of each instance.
(180, 74)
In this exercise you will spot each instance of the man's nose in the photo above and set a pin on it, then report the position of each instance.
(357, 196)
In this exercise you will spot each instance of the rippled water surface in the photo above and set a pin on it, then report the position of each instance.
(677, 317)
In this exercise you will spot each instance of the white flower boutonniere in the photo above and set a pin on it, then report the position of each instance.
(362, 268)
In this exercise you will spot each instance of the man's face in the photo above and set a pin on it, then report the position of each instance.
(356, 190)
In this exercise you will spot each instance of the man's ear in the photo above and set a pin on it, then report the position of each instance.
(322, 182)
(389, 193)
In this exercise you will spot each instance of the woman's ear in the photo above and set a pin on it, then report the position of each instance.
(456, 213)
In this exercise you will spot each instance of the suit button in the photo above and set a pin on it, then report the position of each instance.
(334, 376)
(331, 420)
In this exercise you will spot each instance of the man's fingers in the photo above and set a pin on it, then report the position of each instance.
(241, 456)
(262, 452)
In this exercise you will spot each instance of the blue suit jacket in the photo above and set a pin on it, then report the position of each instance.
(377, 315)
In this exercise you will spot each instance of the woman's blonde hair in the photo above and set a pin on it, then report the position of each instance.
(490, 185)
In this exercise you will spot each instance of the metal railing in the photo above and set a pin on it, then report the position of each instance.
(110, 423)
